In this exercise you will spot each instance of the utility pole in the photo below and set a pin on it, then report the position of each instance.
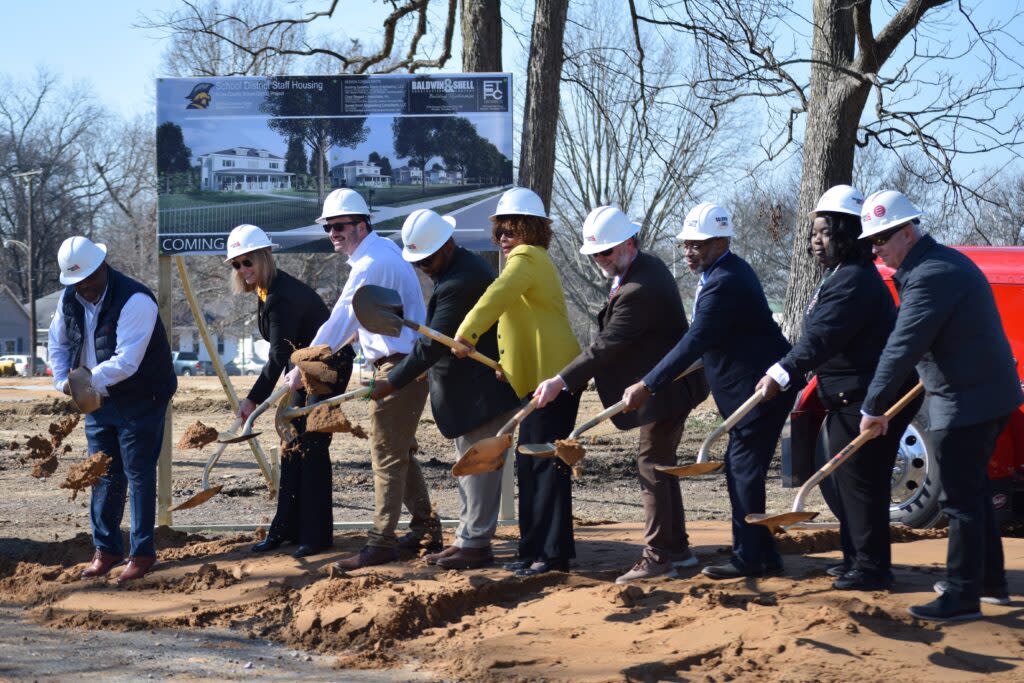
(29, 176)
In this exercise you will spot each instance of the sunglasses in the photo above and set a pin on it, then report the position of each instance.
(245, 262)
(340, 225)
(883, 237)
(502, 232)
(426, 261)
(606, 252)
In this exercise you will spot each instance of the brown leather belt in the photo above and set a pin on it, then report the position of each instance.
(393, 358)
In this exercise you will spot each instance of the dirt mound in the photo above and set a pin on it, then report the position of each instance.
(207, 577)
(55, 406)
(202, 406)
(196, 435)
(86, 474)
(825, 540)
(331, 419)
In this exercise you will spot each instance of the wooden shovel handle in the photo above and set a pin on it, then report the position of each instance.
(448, 341)
(511, 425)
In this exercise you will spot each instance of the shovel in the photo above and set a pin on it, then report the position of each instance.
(702, 466)
(488, 455)
(287, 412)
(231, 437)
(797, 515)
(787, 519)
(379, 310)
(575, 454)
(207, 491)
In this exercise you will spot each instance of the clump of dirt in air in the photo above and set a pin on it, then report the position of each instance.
(332, 420)
(570, 451)
(87, 473)
(197, 435)
(317, 376)
(44, 468)
(60, 429)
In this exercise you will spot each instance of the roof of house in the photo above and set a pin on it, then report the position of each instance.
(6, 291)
(246, 152)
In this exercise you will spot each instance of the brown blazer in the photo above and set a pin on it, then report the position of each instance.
(636, 328)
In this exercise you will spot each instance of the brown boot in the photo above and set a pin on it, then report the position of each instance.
(468, 558)
(432, 558)
(136, 569)
(101, 564)
(369, 556)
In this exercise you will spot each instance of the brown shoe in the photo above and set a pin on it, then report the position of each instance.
(468, 558)
(136, 569)
(432, 541)
(369, 556)
(101, 564)
(432, 558)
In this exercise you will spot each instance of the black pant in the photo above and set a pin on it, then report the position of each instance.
(860, 491)
(974, 558)
(545, 485)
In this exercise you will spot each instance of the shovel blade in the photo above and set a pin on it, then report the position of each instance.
(781, 521)
(283, 424)
(694, 470)
(379, 310)
(198, 499)
(486, 455)
(229, 437)
(537, 450)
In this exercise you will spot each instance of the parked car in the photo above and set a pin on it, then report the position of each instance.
(916, 488)
(21, 365)
(253, 365)
(187, 363)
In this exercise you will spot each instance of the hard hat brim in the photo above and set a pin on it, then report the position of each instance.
(588, 249)
(414, 256)
(874, 229)
(75, 279)
(249, 250)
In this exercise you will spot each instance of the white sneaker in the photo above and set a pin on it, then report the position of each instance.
(646, 568)
(989, 598)
(686, 560)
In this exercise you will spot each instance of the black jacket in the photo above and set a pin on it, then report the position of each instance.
(949, 326)
(847, 325)
(288, 319)
(733, 331)
(464, 393)
(637, 327)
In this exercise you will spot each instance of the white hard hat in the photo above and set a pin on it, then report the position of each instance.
(884, 210)
(78, 258)
(840, 199)
(424, 232)
(343, 202)
(246, 238)
(520, 201)
(606, 227)
(705, 221)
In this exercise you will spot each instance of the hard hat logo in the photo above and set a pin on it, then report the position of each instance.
(74, 267)
(246, 238)
(879, 210)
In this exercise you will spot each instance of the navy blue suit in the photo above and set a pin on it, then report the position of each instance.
(733, 332)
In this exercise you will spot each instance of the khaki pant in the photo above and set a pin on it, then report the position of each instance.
(397, 477)
(479, 494)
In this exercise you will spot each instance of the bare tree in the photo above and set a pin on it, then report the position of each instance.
(480, 21)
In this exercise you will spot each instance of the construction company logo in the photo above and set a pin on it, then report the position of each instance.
(865, 217)
(200, 96)
(74, 267)
(493, 90)
(447, 86)
(591, 238)
(879, 210)
(411, 246)
(999, 501)
(235, 244)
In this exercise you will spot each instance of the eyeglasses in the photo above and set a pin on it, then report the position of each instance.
(883, 237)
(340, 225)
(426, 261)
(245, 262)
(502, 232)
(694, 245)
(606, 252)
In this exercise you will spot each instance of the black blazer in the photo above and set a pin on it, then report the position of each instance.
(949, 326)
(733, 331)
(845, 330)
(288, 319)
(636, 327)
(464, 393)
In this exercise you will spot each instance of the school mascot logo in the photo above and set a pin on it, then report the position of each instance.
(200, 96)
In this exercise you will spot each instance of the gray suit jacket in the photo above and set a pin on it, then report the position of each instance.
(949, 326)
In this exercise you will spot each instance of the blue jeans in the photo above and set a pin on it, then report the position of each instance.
(134, 448)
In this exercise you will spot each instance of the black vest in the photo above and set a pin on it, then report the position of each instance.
(155, 380)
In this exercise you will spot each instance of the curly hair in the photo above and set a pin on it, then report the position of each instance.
(532, 230)
(844, 244)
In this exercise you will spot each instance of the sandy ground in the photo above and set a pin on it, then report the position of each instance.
(474, 626)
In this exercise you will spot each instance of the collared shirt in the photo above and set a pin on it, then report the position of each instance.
(704, 278)
(376, 261)
(134, 330)
(617, 280)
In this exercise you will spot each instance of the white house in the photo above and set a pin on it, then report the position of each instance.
(441, 176)
(14, 324)
(408, 175)
(243, 169)
(359, 174)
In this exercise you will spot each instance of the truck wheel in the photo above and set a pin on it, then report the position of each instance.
(186, 372)
(915, 481)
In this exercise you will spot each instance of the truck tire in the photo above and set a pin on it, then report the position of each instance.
(915, 481)
(185, 372)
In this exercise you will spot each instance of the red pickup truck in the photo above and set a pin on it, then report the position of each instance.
(915, 482)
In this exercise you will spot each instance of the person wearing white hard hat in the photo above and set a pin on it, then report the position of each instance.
(288, 314)
(397, 478)
(640, 322)
(460, 278)
(847, 322)
(107, 323)
(534, 341)
(949, 328)
(733, 332)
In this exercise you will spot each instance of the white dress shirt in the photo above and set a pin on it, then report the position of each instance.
(134, 330)
(376, 261)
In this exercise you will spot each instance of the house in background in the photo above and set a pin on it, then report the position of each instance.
(243, 169)
(358, 174)
(407, 175)
(440, 176)
(14, 323)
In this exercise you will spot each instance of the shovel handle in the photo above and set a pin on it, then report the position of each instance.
(511, 425)
(262, 408)
(333, 401)
(451, 343)
(215, 456)
(730, 422)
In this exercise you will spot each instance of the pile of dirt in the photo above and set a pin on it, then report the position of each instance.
(805, 541)
(317, 376)
(86, 474)
(332, 420)
(55, 406)
(196, 435)
(207, 577)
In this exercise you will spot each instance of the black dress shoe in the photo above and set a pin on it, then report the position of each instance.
(735, 570)
(838, 569)
(858, 580)
(946, 608)
(543, 567)
(516, 565)
(269, 543)
(307, 550)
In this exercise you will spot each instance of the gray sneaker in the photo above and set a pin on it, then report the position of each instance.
(646, 568)
(988, 596)
(685, 559)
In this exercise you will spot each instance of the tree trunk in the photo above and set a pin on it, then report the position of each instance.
(540, 115)
(833, 113)
(481, 35)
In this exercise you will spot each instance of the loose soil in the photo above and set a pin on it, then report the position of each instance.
(317, 376)
(484, 625)
(332, 420)
(197, 435)
(87, 474)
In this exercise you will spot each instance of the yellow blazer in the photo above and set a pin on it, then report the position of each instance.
(534, 337)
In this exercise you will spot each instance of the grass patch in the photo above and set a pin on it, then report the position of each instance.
(188, 200)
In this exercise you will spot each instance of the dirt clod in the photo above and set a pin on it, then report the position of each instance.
(197, 435)
(62, 427)
(317, 376)
(44, 468)
(570, 451)
(332, 420)
(86, 474)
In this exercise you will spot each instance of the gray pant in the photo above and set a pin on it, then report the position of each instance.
(479, 494)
